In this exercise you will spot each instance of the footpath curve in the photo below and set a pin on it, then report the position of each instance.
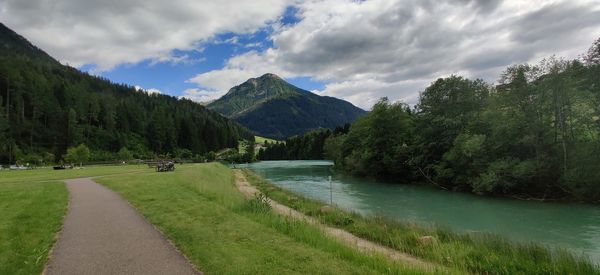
(103, 234)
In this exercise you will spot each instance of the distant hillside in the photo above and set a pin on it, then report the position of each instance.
(53, 107)
(273, 108)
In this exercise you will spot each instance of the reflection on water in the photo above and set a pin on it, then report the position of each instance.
(572, 226)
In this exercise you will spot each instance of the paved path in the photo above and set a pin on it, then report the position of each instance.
(103, 234)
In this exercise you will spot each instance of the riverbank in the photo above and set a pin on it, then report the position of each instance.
(221, 232)
(197, 208)
(357, 243)
(478, 253)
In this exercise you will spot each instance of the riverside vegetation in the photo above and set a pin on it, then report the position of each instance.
(198, 206)
(478, 253)
(535, 135)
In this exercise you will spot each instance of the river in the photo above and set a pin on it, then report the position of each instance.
(572, 226)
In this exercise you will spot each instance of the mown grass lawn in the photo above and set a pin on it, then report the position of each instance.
(261, 140)
(47, 174)
(476, 253)
(199, 209)
(31, 215)
(32, 206)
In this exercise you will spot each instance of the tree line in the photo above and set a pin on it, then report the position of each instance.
(534, 135)
(47, 108)
(304, 147)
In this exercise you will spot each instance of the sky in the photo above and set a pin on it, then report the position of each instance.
(359, 51)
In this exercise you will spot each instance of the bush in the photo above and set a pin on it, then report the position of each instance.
(124, 154)
(79, 154)
(259, 204)
(211, 156)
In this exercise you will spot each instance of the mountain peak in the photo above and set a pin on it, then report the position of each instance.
(265, 77)
(272, 107)
(269, 75)
(252, 92)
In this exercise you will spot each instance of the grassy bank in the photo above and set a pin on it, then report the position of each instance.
(476, 253)
(32, 206)
(199, 209)
(31, 215)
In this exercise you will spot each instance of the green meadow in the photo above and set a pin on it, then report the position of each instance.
(200, 210)
(197, 207)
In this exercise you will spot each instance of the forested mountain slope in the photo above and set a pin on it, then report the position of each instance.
(50, 107)
(273, 108)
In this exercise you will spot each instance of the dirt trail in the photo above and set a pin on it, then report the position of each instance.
(103, 234)
(346, 237)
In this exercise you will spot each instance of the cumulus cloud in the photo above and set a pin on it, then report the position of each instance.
(368, 49)
(362, 50)
(113, 32)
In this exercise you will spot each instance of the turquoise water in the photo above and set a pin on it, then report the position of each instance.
(572, 226)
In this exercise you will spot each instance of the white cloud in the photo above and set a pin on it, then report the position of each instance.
(363, 50)
(113, 32)
(200, 96)
(365, 93)
(221, 80)
(176, 59)
(369, 49)
(149, 91)
(253, 45)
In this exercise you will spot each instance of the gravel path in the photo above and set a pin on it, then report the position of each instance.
(103, 234)
(344, 236)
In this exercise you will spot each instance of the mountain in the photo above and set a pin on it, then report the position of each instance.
(13, 43)
(52, 107)
(273, 108)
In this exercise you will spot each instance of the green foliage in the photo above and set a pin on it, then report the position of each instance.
(31, 160)
(79, 154)
(378, 144)
(124, 154)
(211, 156)
(53, 107)
(332, 148)
(308, 146)
(536, 134)
(184, 154)
(274, 108)
(47, 158)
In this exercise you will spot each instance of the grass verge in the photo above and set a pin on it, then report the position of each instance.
(31, 215)
(32, 206)
(474, 253)
(199, 209)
